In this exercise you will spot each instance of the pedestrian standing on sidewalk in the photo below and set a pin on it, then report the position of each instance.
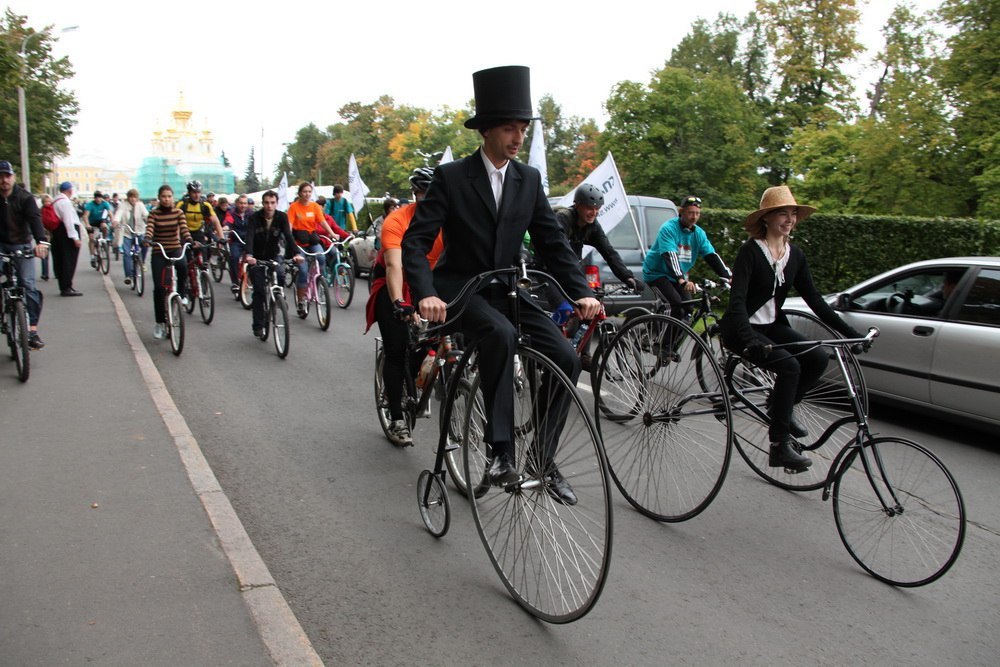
(66, 240)
(20, 220)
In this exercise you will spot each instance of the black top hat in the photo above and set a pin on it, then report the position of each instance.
(502, 93)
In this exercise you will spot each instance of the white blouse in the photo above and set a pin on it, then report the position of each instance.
(767, 313)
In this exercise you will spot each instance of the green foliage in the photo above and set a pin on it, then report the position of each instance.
(51, 111)
(250, 181)
(845, 249)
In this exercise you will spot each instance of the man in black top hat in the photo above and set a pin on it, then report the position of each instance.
(484, 203)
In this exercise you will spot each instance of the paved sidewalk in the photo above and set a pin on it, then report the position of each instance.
(107, 554)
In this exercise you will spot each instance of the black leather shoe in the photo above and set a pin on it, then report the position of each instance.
(70, 292)
(258, 332)
(557, 486)
(785, 454)
(797, 428)
(502, 471)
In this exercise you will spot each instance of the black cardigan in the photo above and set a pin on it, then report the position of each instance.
(753, 282)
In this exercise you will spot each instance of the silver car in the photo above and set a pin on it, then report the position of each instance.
(939, 346)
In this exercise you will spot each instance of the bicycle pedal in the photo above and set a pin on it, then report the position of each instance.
(451, 446)
(794, 471)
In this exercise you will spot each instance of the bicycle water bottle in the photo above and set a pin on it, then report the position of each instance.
(425, 369)
(578, 336)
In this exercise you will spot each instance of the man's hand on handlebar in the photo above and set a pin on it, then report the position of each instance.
(637, 285)
(433, 309)
(586, 308)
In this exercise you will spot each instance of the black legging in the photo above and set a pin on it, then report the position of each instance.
(395, 338)
(161, 276)
(794, 375)
(673, 294)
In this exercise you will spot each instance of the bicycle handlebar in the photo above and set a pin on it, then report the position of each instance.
(239, 239)
(865, 341)
(167, 257)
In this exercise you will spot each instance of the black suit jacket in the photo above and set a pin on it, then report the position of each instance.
(479, 238)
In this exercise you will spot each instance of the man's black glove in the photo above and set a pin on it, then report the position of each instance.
(402, 310)
(637, 285)
(756, 352)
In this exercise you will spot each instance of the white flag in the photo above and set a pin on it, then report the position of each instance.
(536, 158)
(357, 187)
(283, 192)
(447, 157)
(606, 179)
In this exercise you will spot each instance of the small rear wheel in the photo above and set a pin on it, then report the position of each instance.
(280, 328)
(432, 499)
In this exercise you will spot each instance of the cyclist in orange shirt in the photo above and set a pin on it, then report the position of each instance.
(389, 301)
(306, 218)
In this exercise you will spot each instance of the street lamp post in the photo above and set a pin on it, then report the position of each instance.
(22, 110)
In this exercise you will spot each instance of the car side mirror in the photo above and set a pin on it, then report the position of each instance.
(844, 301)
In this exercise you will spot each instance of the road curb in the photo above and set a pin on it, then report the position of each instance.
(286, 641)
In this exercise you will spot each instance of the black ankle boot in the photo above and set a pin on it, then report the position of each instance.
(797, 428)
(785, 454)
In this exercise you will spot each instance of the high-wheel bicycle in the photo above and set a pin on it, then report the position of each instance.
(199, 285)
(553, 558)
(14, 313)
(898, 510)
(664, 417)
(174, 307)
(275, 309)
(317, 292)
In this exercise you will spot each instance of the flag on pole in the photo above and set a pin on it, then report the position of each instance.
(536, 157)
(283, 192)
(357, 187)
(447, 157)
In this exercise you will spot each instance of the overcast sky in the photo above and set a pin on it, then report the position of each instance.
(253, 68)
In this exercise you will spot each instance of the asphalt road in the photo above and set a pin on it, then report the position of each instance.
(761, 577)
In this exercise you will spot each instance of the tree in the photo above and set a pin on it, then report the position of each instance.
(51, 111)
(563, 139)
(971, 77)
(686, 133)
(250, 182)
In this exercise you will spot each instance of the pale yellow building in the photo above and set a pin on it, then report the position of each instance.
(87, 178)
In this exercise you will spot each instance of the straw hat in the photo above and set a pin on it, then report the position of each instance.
(774, 198)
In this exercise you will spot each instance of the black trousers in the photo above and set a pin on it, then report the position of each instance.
(258, 278)
(487, 324)
(64, 256)
(673, 294)
(161, 278)
(794, 375)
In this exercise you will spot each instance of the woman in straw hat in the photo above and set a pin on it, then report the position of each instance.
(767, 266)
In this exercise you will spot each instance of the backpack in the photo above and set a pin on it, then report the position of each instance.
(50, 219)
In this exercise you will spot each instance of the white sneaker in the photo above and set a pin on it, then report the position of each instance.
(399, 433)
(185, 302)
(159, 332)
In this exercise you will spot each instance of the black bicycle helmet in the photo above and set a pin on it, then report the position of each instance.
(588, 195)
(194, 186)
(420, 180)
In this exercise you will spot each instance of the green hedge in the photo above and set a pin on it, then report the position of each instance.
(845, 249)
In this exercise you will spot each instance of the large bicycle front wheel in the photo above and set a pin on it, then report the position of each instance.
(899, 512)
(279, 327)
(666, 427)
(322, 303)
(552, 554)
(18, 327)
(467, 423)
(175, 324)
(206, 298)
(343, 288)
(825, 411)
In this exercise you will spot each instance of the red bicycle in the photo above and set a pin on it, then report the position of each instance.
(199, 287)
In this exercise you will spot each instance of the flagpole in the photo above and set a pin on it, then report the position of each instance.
(635, 226)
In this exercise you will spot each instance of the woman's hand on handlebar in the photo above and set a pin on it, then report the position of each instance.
(434, 309)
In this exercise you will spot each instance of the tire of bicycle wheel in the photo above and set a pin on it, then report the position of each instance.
(322, 303)
(279, 328)
(343, 288)
(175, 324)
(919, 538)
(104, 258)
(139, 276)
(713, 344)
(381, 399)
(8, 327)
(552, 558)
(670, 445)
(825, 411)
(206, 298)
(246, 291)
(432, 500)
(18, 324)
(467, 420)
(218, 264)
